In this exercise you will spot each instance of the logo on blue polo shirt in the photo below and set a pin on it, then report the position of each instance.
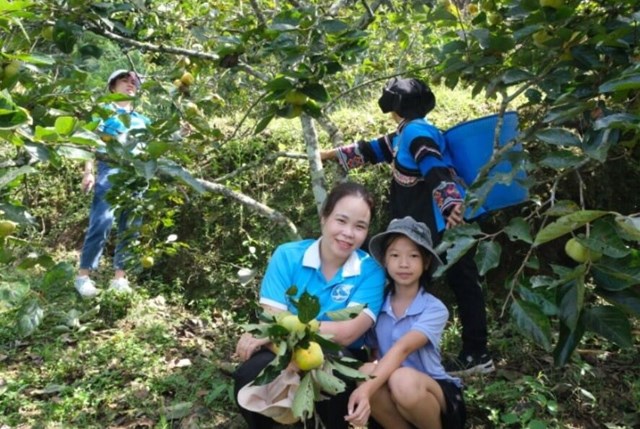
(340, 293)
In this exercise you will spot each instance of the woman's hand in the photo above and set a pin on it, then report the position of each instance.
(328, 154)
(456, 216)
(248, 345)
(359, 407)
(88, 180)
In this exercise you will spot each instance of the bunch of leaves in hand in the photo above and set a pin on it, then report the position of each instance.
(296, 339)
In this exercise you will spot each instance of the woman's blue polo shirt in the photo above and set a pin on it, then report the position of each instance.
(359, 281)
(427, 315)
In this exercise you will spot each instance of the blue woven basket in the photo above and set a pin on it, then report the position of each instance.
(471, 145)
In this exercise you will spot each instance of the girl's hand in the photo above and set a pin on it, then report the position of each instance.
(359, 407)
(248, 345)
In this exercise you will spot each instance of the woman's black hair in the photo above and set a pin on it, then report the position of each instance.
(346, 189)
(425, 277)
(409, 98)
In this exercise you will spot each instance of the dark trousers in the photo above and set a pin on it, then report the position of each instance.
(463, 278)
(331, 411)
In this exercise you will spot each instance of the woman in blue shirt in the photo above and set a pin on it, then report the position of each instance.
(338, 273)
(409, 386)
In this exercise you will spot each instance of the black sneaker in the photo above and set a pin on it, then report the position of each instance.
(470, 363)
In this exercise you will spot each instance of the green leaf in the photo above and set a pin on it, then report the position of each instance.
(11, 115)
(487, 256)
(532, 322)
(262, 124)
(71, 152)
(178, 411)
(460, 247)
(30, 317)
(316, 91)
(115, 97)
(12, 175)
(513, 76)
(14, 6)
(280, 83)
(605, 239)
(312, 109)
(536, 424)
(548, 307)
(566, 224)
(567, 343)
(558, 136)
(559, 160)
(303, 401)
(610, 323)
(37, 59)
(308, 307)
(567, 112)
(618, 274)
(519, 229)
(571, 302)
(347, 371)
(65, 125)
(64, 37)
(617, 120)
(562, 208)
(158, 148)
(630, 225)
(597, 144)
(628, 299)
(59, 276)
(623, 83)
(333, 26)
(90, 50)
(509, 418)
(328, 382)
(564, 276)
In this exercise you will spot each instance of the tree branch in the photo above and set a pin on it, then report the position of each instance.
(145, 46)
(335, 8)
(259, 15)
(250, 71)
(318, 182)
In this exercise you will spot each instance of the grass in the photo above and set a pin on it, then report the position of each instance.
(137, 362)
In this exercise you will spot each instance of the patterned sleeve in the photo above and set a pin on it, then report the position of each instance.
(446, 192)
(372, 152)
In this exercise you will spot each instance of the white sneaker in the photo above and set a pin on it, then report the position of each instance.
(120, 285)
(86, 287)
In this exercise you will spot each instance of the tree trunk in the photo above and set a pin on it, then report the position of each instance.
(318, 182)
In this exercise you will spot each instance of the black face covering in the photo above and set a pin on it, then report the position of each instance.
(409, 98)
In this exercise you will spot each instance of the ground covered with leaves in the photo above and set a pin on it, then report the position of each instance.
(151, 360)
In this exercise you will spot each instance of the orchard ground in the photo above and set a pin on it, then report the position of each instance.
(152, 360)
